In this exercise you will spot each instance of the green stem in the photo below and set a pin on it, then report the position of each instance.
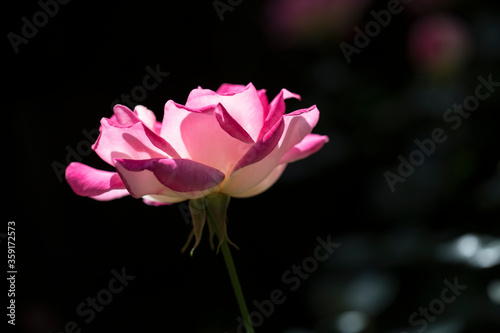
(236, 286)
(238, 292)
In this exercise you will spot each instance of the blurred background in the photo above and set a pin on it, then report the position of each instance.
(419, 245)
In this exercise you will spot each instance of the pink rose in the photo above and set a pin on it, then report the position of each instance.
(232, 141)
(439, 44)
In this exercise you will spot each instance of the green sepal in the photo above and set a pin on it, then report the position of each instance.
(214, 207)
(217, 213)
(190, 237)
(198, 216)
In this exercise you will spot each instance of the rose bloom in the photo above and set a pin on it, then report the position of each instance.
(231, 141)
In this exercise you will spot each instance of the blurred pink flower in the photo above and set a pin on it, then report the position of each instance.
(427, 6)
(294, 21)
(439, 44)
(231, 141)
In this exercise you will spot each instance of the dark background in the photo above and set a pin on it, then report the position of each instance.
(396, 248)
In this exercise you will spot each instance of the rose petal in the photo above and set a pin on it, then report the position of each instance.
(111, 195)
(168, 177)
(124, 116)
(264, 101)
(230, 126)
(174, 115)
(263, 185)
(276, 110)
(147, 117)
(245, 106)
(89, 182)
(308, 146)
(205, 135)
(133, 142)
(262, 148)
(297, 125)
(228, 88)
(156, 200)
(145, 184)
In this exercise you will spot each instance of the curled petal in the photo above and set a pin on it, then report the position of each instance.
(135, 141)
(297, 125)
(144, 184)
(148, 118)
(276, 110)
(264, 184)
(98, 184)
(308, 146)
(111, 195)
(264, 101)
(262, 148)
(244, 105)
(207, 135)
(123, 116)
(231, 126)
(174, 116)
(168, 177)
(228, 88)
(151, 200)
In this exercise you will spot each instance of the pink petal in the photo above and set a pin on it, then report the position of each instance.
(124, 116)
(264, 184)
(264, 101)
(144, 183)
(159, 200)
(111, 195)
(276, 110)
(207, 135)
(297, 125)
(151, 201)
(89, 182)
(245, 106)
(262, 148)
(168, 177)
(308, 146)
(174, 116)
(157, 128)
(230, 126)
(228, 88)
(135, 141)
(147, 117)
